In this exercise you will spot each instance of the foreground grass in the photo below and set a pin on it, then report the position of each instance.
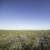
(24, 39)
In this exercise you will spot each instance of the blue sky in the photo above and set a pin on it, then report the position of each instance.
(24, 14)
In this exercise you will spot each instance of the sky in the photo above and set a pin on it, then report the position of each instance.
(24, 14)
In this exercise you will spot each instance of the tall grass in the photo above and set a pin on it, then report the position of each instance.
(24, 40)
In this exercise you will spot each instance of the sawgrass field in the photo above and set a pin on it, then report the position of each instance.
(24, 39)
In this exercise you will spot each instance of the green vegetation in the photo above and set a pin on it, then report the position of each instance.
(24, 40)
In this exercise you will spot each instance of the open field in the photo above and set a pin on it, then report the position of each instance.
(24, 39)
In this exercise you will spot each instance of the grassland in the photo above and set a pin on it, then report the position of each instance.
(24, 39)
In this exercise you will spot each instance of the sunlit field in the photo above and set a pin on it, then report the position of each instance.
(24, 39)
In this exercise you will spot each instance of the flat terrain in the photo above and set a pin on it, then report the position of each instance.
(24, 39)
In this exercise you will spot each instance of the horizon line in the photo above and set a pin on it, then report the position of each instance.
(24, 29)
